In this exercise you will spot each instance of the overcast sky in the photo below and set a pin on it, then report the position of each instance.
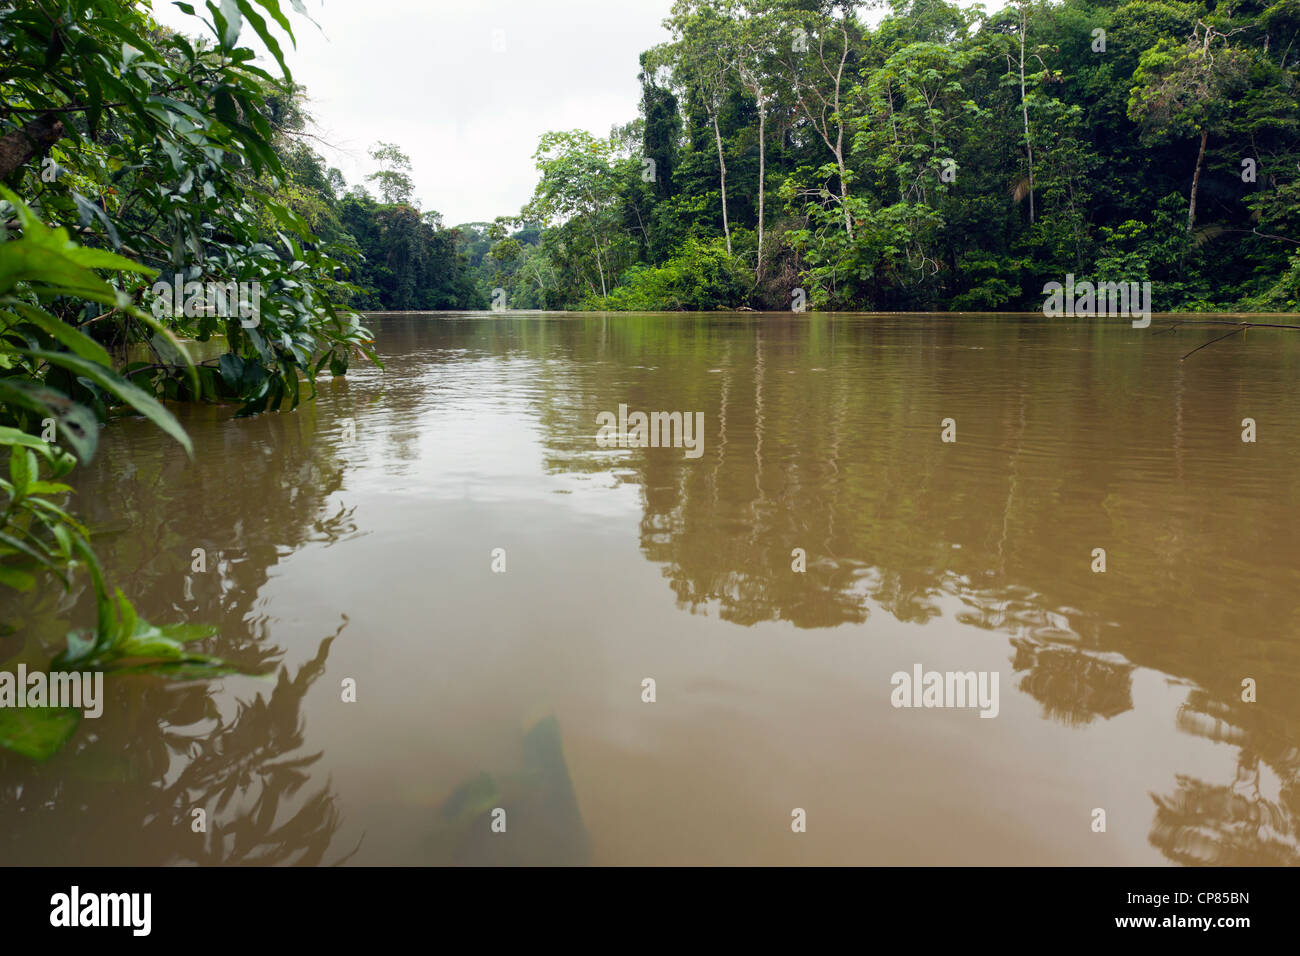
(464, 87)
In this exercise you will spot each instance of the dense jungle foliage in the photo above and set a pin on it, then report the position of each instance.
(946, 158)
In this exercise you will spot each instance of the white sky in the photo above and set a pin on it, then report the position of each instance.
(424, 74)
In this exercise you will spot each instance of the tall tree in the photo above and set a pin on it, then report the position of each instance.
(701, 58)
(393, 175)
(819, 68)
(1185, 88)
(1023, 14)
(752, 45)
(577, 194)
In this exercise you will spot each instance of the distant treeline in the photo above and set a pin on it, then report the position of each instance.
(946, 158)
(399, 257)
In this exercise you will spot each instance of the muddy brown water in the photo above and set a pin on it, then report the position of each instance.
(353, 540)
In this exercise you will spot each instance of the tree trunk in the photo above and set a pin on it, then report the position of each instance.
(35, 139)
(1024, 109)
(762, 176)
(821, 124)
(604, 292)
(595, 241)
(839, 136)
(844, 192)
(750, 79)
(722, 168)
(1196, 181)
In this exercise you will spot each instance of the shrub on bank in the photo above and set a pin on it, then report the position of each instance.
(701, 277)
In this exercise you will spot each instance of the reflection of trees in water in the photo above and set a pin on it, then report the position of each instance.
(1059, 653)
(1207, 824)
(122, 789)
(823, 434)
(257, 490)
(1236, 824)
(255, 759)
(1073, 686)
(134, 781)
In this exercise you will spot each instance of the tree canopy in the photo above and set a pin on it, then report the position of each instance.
(946, 158)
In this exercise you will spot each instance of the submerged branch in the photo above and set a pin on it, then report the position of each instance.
(1220, 338)
(1237, 327)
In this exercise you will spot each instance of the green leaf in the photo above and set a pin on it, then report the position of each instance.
(89, 210)
(22, 469)
(66, 335)
(183, 670)
(20, 579)
(231, 367)
(178, 354)
(273, 8)
(103, 606)
(130, 620)
(47, 488)
(20, 545)
(37, 732)
(13, 436)
(80, 646)
(40, 504)
(103, 259)
(77, 425)
(225, 106)
(110, 381)
(231, 16)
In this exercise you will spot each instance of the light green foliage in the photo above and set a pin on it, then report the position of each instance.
(702, 277)
(393, 177)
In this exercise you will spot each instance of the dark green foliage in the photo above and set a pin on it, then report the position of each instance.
(1126, 161)
(406, 261)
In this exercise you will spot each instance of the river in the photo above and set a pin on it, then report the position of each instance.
(447, 542)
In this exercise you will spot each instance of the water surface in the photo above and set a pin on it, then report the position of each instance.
(354, 538)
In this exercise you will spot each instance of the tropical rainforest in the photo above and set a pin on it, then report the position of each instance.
(944, 159)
